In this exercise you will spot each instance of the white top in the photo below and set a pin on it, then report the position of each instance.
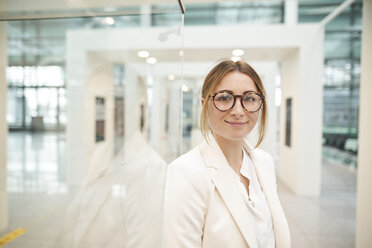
(256, 203)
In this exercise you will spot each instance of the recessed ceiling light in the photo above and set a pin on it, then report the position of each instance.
(151, 60)
(238, 52)
(143, 54)
(185, 88)
(235, 58)
(171, 77)
(108, 20)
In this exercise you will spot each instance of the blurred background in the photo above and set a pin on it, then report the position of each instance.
(87, 84)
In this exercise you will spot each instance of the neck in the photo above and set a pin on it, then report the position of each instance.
(232, 150)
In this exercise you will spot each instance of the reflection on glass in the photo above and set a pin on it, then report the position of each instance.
(57, 69)
(38, 166)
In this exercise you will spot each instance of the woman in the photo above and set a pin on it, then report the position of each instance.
(223, 193)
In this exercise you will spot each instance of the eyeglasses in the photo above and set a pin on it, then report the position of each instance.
(225, 100)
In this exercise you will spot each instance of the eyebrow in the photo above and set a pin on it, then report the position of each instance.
(229, 91)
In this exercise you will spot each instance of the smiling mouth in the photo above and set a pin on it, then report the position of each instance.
(236, 124)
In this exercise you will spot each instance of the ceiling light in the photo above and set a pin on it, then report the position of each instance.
(235, 58)
(185, 88)
(151, 60)
(171, 77)
(143, 54)
(108, 20)
(238, 52)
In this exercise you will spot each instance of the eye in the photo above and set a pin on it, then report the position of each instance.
(251, 98)
(223, 97)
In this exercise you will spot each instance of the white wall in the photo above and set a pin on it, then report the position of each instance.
(267, 72)
(289, 156)
(364, 186)
(300, 164)
(300, 48)
(99, 83)
(3, 124)
(86, 158)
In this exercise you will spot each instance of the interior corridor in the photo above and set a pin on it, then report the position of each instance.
(39, 197)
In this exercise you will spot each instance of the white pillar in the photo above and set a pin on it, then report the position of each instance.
(132, 102)
(89, 76)
(300, 163)
(145, 15)
(158, 117)
(3, 123)
(364, 186)
(290, 12)
(175, 115)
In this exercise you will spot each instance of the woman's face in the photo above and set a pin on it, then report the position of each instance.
(236, 123)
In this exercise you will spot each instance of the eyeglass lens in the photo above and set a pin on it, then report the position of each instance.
(225, 101)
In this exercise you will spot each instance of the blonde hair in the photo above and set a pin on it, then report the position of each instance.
(213, 79)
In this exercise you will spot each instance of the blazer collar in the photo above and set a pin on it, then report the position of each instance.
(224, 180)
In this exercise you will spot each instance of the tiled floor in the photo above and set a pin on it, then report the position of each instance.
(39, 196)
(328, 220)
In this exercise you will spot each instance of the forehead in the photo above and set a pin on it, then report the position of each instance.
(236, 82)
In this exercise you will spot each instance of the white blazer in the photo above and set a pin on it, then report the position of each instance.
(203, 206)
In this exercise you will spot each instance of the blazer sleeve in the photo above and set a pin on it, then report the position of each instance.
(185, 203)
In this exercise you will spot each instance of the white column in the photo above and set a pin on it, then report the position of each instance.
(76, 95)
(3, 123)
(89, 76)
(290, 12)
(145, 15)
(99, 82)
(364, 186)
(132, 101)
(158, 117)
(175, 115)
(300, 163)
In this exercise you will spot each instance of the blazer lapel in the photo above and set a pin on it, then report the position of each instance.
(221, 175)
(279, 221)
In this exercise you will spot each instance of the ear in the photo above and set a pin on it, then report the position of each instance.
(202, 101)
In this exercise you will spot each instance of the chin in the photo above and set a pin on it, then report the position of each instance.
(235, 137)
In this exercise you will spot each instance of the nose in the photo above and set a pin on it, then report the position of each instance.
(238, 109)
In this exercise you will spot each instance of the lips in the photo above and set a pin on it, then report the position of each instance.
(236, 123)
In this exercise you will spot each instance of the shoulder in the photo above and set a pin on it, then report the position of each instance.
(192, 160)
(189, 167)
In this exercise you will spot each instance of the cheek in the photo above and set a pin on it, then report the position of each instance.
(254, 116)
(215, 116)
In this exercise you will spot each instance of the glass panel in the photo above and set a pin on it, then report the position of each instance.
(62, 106)
(263, 12)
(86, 77)
(356, 44)
(337, 73)
(342, 21)
(337, 45)
(47, 105)
(200, 14)
(15, 107)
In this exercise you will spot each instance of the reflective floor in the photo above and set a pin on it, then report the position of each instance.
(39, 196)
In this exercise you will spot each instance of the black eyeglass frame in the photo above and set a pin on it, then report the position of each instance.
(241, 100)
